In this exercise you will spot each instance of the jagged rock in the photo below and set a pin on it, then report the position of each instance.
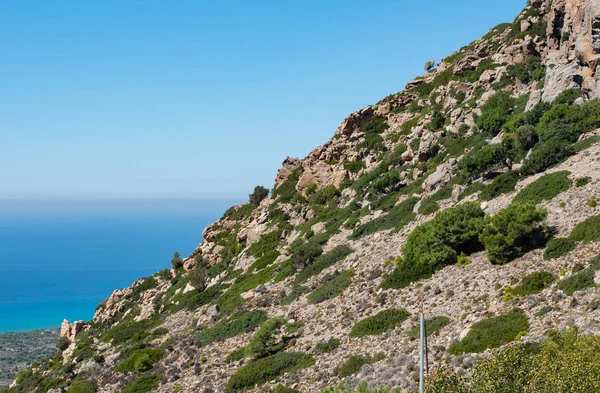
(318, 227)
(561, 78)
(289, 164)
(525, 25)
(439, 178)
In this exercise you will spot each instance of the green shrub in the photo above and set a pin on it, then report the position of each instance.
(557, 247)
(546, 155)
(324, 261)
(388, 181)
(545, 188)
(513, 231)
(294, 294)
(331, 287)
(144, 384)
(432, 326)
(140, 360)
(176, 262)
(354, 166)
(495, 113)
(564, 363)
(63, 343)
(587, 231)
(361, 388)
(394, 157)
(502, 184)
(328, 346)
(492, 333)
(437, 243)
(286, 191)
(258, 195)
(354, 364)
(526, 137)
(585, 143)
(265, 342)
(379, 323)
(264, 261)
(266, 369)
(130, 331)
(83, 387)
(531, 284)
(582, 181)
(577, 282)
(305, 254)
(428, 206)
(234, 326)
(592, 203)
(397, 217)
(282, 389)
(482, 160)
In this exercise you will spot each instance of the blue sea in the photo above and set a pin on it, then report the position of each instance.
(60, 259)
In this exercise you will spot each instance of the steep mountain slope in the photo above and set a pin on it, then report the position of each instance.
(470, 195)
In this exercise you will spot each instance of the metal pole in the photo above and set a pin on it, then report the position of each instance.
(422, 356)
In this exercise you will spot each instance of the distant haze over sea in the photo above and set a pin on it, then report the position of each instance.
(59, 259)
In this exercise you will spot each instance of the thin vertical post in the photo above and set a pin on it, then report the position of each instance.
(422, 356)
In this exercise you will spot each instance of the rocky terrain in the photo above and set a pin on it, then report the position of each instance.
(470, 195)
(20, 350)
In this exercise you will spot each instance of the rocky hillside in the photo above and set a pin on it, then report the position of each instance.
(471, 195)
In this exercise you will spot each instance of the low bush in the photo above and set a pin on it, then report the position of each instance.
(495, 113)
(482, 160)
(332, 286)
(397, 217)
(140, 360)
(282, 389)
(305, 254)
(557, 247)
(531, 284)
(514, 231)
(361, 388)
(266, 369)
(585, 143)
(502, 184)
(237, 324)
(566, 362)
(354, 364)
(130, 331)
(354, 166)
(83, 387)
(324, 261)
(587, 231)
(286, 191)
(583, 181)
(492, 333)
(328, 346)
(294, 295)
(545, 188)
(379, 323)
(578, 282)
(428, 206)
(432, 326)
(546, 155)
(144, 384)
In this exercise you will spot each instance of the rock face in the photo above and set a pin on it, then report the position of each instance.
(70, 331)
(312, 258)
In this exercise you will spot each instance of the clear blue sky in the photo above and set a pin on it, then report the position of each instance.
(200, 99)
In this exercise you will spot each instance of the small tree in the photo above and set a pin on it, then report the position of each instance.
(176, 261)
(198, 278)
(514, 231)
(305, 254)
(429, 65)
(258, 195)
(63, 343)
